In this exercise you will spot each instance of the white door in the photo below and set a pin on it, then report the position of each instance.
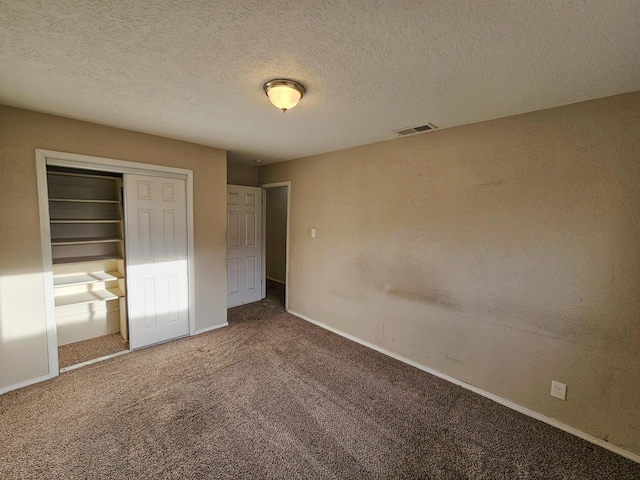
(156, 247)
(244, 245)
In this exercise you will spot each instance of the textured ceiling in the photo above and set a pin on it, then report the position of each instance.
(194, 70)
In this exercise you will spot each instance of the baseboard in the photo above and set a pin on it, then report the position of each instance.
(276, 280)
(26, 383)
(208, 329)
(502, 401)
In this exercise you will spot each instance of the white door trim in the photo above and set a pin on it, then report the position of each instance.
(103, 164)
(265, 186)
(47, 264)
(73, 160)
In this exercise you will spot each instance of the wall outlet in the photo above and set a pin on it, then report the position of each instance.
(558, 390)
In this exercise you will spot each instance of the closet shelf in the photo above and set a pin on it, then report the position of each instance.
(82, 175)
(87, 245)
(89, 297)
(83, 241)
(82, 200)
(83, 220)
(86, 278)
(90, 258)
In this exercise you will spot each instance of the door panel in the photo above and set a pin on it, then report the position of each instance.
(251, 271)
(251, 229)
(170, 233)
(244, 245)
(233, 229)
(233, 275)
(156, 259)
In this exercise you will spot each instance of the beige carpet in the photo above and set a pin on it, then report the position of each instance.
(276, 397)
(79, 352)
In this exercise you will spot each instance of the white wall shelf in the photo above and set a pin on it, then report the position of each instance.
(83, 241)
(81, 200)
(89, 297)
(84, 220)
(87, 244)
(86, 278)
(88, 258)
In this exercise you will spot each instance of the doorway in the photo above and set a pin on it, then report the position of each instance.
(276, 210)
(158, 213)
(245, 257)
(87, 247)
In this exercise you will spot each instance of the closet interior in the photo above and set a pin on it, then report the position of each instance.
(87, 245)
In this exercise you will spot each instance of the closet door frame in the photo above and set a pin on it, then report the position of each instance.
(46, 158)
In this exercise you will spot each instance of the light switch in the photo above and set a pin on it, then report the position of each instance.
(313, 233)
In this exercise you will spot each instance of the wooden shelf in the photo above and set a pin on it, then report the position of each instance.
(82, 200)
(86, 279)
(86, 227)
(83, 175)
(83, 241)
(84, 220)
(91, 258)
(89, 297)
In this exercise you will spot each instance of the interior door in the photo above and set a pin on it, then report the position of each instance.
(244, 245)
(156, 258)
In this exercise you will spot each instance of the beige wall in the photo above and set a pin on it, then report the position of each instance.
(276, 234)
(504, 254)
(23, 346)
(246, 175)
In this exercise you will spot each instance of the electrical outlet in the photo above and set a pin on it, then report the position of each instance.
(558, 390)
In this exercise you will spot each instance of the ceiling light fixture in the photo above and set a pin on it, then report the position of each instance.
(284, 94)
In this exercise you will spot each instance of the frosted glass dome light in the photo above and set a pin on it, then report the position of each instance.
(284, 94)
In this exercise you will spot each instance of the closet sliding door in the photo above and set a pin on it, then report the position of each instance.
(156, 253)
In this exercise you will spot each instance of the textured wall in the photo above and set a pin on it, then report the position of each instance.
(276, 233)
(238, 174)
(23, 347)
(503, 253)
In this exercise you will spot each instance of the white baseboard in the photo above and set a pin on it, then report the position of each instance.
(276, 280)
(26, 383)
(208, 329)
(502, 401)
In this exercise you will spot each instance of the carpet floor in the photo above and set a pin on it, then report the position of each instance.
(273, 396)
(79, 352)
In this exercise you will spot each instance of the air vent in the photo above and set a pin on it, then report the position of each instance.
(413, 130)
